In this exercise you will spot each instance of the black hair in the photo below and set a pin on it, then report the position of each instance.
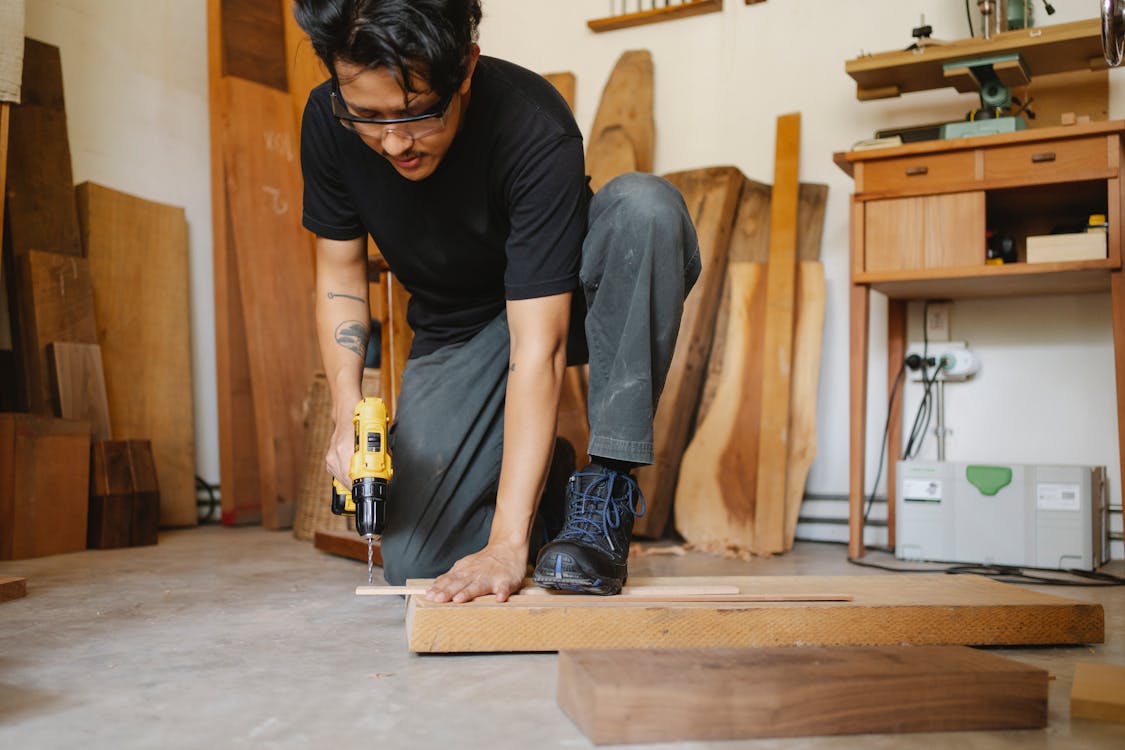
(427, 38)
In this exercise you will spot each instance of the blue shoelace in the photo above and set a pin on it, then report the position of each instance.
(593, 516)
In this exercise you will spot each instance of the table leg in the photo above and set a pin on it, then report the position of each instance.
(860, 310)
(1117, 300)
(896, 353)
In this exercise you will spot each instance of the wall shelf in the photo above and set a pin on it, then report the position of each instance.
(1044, 50)
(656, 15)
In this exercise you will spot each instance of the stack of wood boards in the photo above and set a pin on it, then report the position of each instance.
(917, 610)
(263, 265)
(622, 696)
(137, 253)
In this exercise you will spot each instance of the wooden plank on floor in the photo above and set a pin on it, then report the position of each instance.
(275, 277)
(40, 188)
(138, 255)
(919, 610)
(623, 696)
(712, 197)
(777, 348)
(1098, 692)
(12, 587)
(345, 544)
(56, 303)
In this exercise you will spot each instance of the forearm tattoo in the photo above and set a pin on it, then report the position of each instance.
(334, 295)
(353, 335)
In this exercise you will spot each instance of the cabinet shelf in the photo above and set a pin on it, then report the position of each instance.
(1009, 280)
(655, 15)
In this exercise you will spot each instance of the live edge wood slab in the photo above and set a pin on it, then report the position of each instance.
(918, 610)
(627, 695)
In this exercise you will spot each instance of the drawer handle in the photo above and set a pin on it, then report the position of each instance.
(916, 171)
(1043, 157)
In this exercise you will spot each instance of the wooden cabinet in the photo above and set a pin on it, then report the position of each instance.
(920, 215)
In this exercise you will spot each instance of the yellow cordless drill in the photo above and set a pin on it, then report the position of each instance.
(370, 472)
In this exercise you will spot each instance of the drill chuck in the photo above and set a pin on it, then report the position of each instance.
(370, 496)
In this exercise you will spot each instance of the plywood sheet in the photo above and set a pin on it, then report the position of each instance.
(622, 696)
(712, 196)
(138, 258)
(78, 385)
(918, 610)
(275, 280)
(40, 189)
(56, 303)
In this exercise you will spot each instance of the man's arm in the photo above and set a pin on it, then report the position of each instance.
(343, 326)
(538, 329)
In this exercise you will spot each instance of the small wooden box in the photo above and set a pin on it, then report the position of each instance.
(44, 470)
(1055, 248)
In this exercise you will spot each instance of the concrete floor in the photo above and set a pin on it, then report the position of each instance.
(232, 638)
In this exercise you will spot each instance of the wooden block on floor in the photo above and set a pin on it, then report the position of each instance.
(345, 544)
(124, 495)
(44, 484)
(625, 696)
(1098, 692)
(12, 588)
(147, 495)
(918, 610)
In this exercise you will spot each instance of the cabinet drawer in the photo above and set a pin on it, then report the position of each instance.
(924, 173)
(1049, 161)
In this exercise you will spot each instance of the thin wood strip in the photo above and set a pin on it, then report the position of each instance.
(418, 587)
(777, 350)
(656, 594)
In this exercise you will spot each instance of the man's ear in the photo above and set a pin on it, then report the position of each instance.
(470, 66)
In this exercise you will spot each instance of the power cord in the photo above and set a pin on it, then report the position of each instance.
(1002, 573)
(212, 503)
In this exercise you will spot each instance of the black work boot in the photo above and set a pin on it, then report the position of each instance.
(591, 554)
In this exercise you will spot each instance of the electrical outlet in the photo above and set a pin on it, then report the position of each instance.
(955, 360)
(937, 321)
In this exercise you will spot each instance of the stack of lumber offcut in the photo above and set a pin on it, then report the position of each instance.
(82, 370)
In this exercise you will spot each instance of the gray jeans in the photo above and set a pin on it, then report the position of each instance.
(640, 258)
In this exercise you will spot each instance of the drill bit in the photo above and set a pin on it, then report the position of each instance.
(370, 563)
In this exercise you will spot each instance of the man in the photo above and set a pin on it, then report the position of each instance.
(468, 173)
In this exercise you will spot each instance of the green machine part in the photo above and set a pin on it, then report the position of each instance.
(989, 479)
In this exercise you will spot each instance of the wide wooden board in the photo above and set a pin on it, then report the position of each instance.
(626, 105)
(275, 278)
(1098, 692)
(40, 188)
(253, 41)
(78, 385)
(56, 303)
(712, 196)
(138, 255)
(777, 343)
(624, 696)
(304, 68)
(919, 610)
(44, 480)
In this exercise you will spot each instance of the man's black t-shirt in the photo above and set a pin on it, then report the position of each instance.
(501, 218)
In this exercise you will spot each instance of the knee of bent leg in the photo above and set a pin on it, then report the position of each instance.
(645, 197)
